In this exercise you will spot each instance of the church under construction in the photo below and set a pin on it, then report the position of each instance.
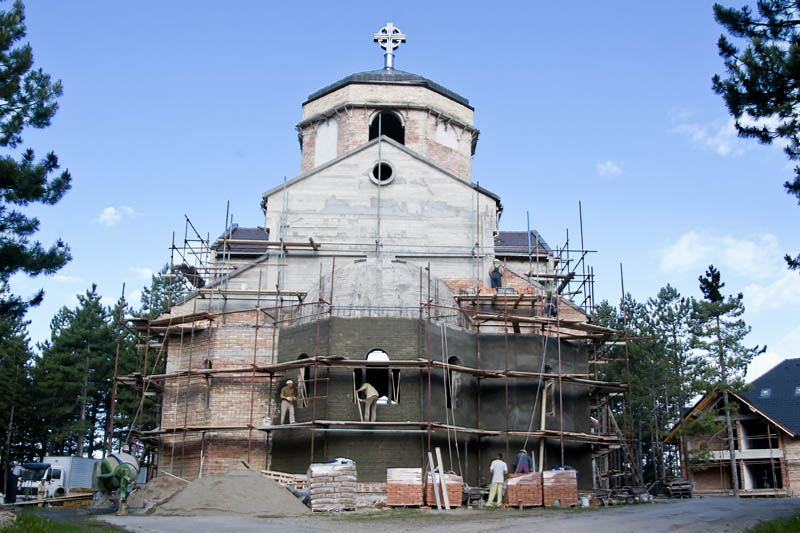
(373, 266)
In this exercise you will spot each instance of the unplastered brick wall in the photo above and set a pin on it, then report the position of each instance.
(236, 399)
(218, 452)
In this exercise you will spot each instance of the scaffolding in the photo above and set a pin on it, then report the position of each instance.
(202, 270)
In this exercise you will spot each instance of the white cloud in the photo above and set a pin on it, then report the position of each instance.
(688, 253)
(717, 136)
(111, 216)
(609, 168)
(142, 272)
(751, 258)
(787, 347)
(756, 258)
(62, 278)
(782, 291)
(720, 138)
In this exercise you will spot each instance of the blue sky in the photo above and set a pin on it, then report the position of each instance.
(174, 108)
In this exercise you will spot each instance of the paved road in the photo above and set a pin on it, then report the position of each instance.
(704, 515)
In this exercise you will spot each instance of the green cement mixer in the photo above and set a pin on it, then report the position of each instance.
(113, 480)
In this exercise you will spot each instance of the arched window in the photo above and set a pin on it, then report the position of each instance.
(385, 380)
(453, 383)
(389, 124)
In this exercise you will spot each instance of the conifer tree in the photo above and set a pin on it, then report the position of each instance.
(74, 373)
(671, 317)
(28, 97)
(762, 90)
(15, 408)
(718, 332)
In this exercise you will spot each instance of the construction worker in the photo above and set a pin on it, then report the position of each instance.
(11, 482)
(496, 275)
(550, 305)
(371, 403)
(499, 469)
(287, 401)
(523, 463)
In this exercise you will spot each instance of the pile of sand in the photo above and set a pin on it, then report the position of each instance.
(155, 492)
(242, 492)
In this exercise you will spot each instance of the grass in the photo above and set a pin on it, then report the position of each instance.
(38, 524)
(790, 524)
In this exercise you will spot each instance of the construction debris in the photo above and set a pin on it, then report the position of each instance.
(7, 519)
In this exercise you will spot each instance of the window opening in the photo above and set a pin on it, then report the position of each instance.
(765, 393)
(453, 383)
(207, 364)
(389, 124)
(302, 390)
(549, 390)
(382, 172)
(385, 381)
(797, 391)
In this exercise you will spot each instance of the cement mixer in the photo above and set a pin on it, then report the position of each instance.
(113, 480)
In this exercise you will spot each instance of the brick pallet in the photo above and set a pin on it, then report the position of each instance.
(524, 490)
(404, 487)
(333, 486)
(454, 486)
(561, 486)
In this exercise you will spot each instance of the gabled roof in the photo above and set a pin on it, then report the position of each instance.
(782, 404)
(400, 147)
(388, 77)
(236, 232)
(516, 242)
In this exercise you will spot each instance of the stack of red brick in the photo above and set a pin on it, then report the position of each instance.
(404, 486)
(524, 490)
(454, 488)
(560, 486)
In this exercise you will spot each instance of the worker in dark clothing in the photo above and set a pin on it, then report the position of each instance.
(496, 274)
(11, 482)
(550, 305)
(523, 463)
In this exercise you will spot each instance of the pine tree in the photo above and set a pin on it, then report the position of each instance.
(762, 90)
(717, 332)
(671, 314)
(15, 410)
(165, 289)
(74, 374)
(27, 98)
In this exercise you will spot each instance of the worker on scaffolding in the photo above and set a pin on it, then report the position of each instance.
(287, 401)
(523, 463)
(496, 274)
(499, 470)
(371, 401)
(550, 305)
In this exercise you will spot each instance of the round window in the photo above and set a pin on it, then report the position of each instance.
(382, 173)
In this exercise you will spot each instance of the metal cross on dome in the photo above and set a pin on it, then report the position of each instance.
(389, 37)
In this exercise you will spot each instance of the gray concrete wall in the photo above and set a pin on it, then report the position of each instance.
(407, 339)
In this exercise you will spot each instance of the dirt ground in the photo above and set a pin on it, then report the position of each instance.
(698, 515)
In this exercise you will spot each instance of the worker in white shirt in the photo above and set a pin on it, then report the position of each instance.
(370, 404)
(499, 469)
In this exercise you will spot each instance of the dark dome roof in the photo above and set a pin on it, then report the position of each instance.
(391, 77)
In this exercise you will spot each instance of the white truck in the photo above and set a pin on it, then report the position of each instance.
(56, 476)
